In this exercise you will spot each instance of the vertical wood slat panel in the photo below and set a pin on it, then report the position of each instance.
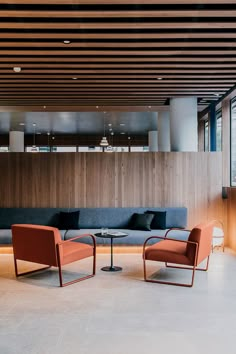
(193, 180)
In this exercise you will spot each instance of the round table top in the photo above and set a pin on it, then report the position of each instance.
(111, 235)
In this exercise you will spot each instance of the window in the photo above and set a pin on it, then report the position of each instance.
(139, 148)
(206, 136)
(219, 130)
(64, 149)
(120, 149)
(4, 149)
(233, 142)
(90, 149)
(37, 149)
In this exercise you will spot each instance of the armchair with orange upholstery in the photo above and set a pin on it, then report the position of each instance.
(186, 254)
(43, 245)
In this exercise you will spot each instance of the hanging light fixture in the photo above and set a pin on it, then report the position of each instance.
(48, 134)
(110, 147)
(34, 148)
(104, 141)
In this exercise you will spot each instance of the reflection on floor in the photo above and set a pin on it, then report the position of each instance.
(118, 313)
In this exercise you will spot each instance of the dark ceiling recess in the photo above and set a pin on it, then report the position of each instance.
(119, 53)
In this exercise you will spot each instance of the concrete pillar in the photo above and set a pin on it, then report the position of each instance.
(16, 140)
(183, 124)
(153, 140)
(164, 131)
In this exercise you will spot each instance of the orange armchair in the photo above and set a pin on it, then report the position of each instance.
(187, 254)
(43, 244)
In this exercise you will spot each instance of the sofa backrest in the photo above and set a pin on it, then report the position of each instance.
(120, 217)
(90, 218)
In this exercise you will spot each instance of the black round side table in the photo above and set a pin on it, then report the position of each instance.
(111, 268)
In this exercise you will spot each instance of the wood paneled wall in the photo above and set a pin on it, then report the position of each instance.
(186, 179)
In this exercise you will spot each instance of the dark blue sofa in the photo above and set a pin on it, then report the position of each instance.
(91, 220)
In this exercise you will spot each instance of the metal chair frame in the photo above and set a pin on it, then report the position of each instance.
(192, 268)
(58, 245)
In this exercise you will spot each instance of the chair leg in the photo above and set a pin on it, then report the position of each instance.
(144, 269)
(189, 285)
(29, 272)
(78, 279)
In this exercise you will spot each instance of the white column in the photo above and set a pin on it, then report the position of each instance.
(16, 140)
(183, 124)
(164, 131)
(153, 140)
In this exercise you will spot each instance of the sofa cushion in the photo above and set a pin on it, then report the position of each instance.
(141, 221)
(159, 219)
(69, 220)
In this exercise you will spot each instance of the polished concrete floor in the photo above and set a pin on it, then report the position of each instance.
(118, 313)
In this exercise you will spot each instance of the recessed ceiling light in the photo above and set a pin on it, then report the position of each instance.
(66, 41)
(129, 137)
(159, 78)
(74, 78)
(34, 124)
(122, 124)
(109, 124)
(122, 133)
(110, 129)
(17, 69)
(44, 107)
(112, 133)
(21, 123)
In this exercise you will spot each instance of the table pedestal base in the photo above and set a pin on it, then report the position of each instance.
(111, 269)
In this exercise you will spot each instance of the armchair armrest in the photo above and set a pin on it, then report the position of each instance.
(175, 228)
(78, 237)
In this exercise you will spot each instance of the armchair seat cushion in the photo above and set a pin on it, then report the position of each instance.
(168, 251)
(74, 251)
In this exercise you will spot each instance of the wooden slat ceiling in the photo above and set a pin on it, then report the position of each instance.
(121, 52)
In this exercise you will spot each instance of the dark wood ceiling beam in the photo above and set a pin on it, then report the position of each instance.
(120, 76)
(76, 14)
(19, 59)
(136, 72)
(66, 67)
(113, 36)
(96, 66)
(138, 86)
(123, 81)
(114, 53)
(116, 2)
(108, 90)
(114, 44)
(134, 95)
(118, 25)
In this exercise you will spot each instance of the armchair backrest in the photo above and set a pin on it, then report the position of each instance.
(202, 234)
(35, 243)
